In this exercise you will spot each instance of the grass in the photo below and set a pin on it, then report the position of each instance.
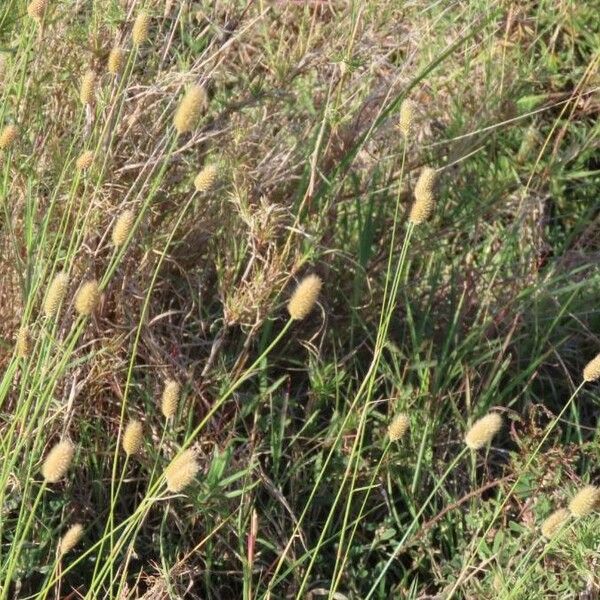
(488, 306)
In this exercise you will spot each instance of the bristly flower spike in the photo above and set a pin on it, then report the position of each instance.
(304, 297)
(8, 136)
(591, 371)
(170, 398)
(133, 437)
(56, 294)
(407, 115)
(182, 471)
(141, 28)
(87, 298)
(58, 461)
(554, 522)
(424, 197)
(70, 539)
(483, 430)
(585, 501)
(122, 227)
(206, 178)
(398, 427)
(190, 109)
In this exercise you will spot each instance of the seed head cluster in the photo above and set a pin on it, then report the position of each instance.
(591, 371)
(133, 437)
(23, 343)
(407, 115)
(141, 28)
(70, 539)
(304, 297)
(190, 109)
(554, 522)
(182, 471)
(87, 92)
(84, 160)
(115, 61)
(424, 197)
(56, 294)
(122, 227)
(170, 398)
(36, 9)
(398, 427)
(87, 298)
(8, 136)
(483, 430)
(206, 178)
(585, 501)
(58, 461)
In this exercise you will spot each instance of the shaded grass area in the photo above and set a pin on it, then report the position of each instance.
(491, 305)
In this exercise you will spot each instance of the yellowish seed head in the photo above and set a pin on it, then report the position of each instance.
(115, 60)
(424, 197)
(407, 115)
(84, 161)
(70, 539)
(23, 343)
(304, 297)
(190, 109)
(398, 427)
(56, 294)
(591, 371)
(8, 136)
(206, 178)
(133, 437)
(36, 9)
(170, 398)
(87, 91)
(122, 227)
(483, 430)
(58, 461)
(141, 28)
(182, 471)
(554, 522)
(87, 298)
(585, 501)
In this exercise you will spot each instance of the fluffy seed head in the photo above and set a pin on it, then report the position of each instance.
(304, 297)
(189, 110)
(88, 87)
(424, 197)
(483, 430)
(56, 294)
(87, 298)
(85, 160)
(170, 398)
(407, 114)
(585, 501)
(554, 522)
(8, 136)
(141, 27)
(115, 60)
(37, 8)
(58, 461)
(133, 437)
(206, 178)
(398, 427)
(122, 227)
(23, 343)
(70, 539)
(591, 371)
(181, 472)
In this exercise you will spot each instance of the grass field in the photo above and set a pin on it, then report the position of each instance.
(264, 265)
